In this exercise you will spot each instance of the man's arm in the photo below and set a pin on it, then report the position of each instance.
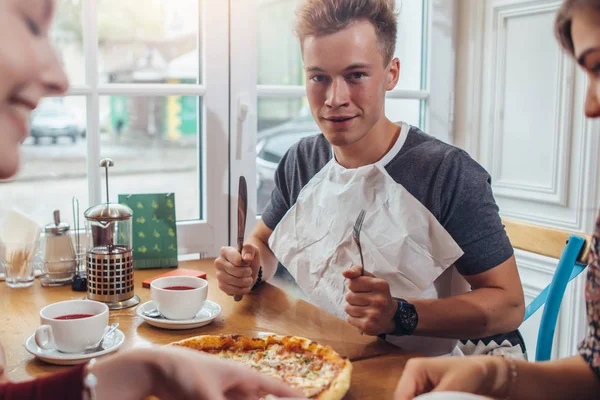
(469, 213)
(238, 273)
(494, 306)
(260, 238)
(496, 293)
(467, 210)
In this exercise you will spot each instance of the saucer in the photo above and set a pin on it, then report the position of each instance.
(205, 316)
(111, 344)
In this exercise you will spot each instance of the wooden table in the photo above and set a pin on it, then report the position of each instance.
(377, 364)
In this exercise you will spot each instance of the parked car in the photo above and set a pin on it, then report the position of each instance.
(272, 145)
(52, 119)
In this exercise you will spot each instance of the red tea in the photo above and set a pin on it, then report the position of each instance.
(179, 288)
(74, 316)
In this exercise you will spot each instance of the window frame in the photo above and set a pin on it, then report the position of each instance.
(205, 235)
(229, 66)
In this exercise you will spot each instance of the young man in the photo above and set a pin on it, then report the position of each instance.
(431, 228)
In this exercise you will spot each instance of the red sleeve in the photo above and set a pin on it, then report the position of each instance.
(65, 385)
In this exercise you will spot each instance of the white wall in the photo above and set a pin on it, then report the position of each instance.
(519, 113)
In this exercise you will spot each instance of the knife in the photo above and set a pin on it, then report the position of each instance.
(241, 217)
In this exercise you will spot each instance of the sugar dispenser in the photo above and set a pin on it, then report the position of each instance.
(60, 260)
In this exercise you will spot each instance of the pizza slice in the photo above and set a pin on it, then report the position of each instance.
(315, 370)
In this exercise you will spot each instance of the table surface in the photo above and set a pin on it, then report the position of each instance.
(377, 365)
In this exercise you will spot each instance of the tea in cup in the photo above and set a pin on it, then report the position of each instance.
(179, 297)
(71, 326)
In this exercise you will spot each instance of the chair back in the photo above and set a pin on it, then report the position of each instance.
(571, 249)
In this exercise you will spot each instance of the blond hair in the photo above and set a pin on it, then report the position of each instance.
(564, 20)
(324, 17)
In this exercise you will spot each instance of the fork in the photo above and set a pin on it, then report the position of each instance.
(356, 236)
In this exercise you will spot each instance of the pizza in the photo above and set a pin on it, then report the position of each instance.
(315, 370)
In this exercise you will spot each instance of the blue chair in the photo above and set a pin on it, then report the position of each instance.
(572, 261)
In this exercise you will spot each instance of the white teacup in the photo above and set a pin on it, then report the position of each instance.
(71, 326)
(179, 297)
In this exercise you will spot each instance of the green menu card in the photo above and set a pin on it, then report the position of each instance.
(154, 229)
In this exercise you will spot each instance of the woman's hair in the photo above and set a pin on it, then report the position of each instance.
(324, 17)
(564, 19)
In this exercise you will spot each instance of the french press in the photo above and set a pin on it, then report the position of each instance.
(109, 261)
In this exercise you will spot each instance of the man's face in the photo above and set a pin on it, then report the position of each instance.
(346, 82)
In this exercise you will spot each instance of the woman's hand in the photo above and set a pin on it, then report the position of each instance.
(483, 375)
(179, 373)
(3, 377)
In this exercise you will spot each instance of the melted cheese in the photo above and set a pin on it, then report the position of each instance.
(303, 371)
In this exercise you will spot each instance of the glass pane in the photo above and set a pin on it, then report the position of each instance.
(280, 60)
(281, 123)
(53, 162)
(149, 41)
(403, 110)
(67, 36)
(154, 144)
(279, 57)
(409, 43)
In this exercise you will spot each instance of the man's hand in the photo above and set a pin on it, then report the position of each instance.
(237, 272)
(370, 306)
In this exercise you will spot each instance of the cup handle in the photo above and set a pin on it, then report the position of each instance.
(44, 338)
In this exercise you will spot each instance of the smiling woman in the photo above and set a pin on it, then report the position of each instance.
(30, 70)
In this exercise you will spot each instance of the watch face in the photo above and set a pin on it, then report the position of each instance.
(408, 318)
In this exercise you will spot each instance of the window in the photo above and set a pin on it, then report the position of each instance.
(142, 95)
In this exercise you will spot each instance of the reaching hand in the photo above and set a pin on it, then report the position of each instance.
(369, 303)
(180, 374)
(3, 377)
(484, 375)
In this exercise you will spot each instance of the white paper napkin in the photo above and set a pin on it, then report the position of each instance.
(18, 234)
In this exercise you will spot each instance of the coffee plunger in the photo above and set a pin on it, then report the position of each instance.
(109, 261)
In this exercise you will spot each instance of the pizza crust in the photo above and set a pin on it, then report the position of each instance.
(335, 390)
(340, 385)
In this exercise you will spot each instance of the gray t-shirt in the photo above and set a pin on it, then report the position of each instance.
(444, 178)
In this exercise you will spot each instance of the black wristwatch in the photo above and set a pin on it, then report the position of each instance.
(405, 318)
(258, 279)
